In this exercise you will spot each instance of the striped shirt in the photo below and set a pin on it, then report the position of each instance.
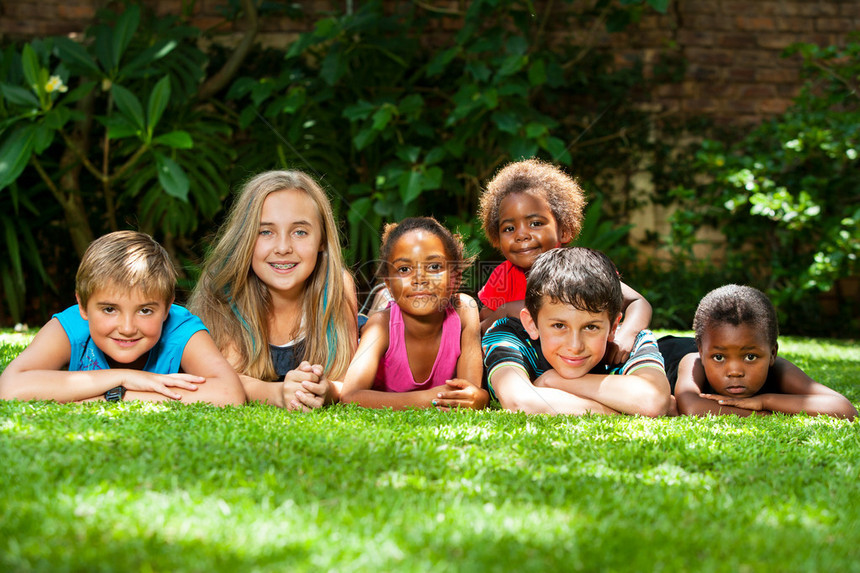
(507, 343)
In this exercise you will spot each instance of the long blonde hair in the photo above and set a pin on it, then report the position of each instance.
(235, 304)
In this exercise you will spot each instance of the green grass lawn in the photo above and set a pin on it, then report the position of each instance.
(143, 487)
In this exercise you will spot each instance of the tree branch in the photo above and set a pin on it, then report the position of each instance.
(218, 81)
(70, 144)
(131, 161)
(55, 191)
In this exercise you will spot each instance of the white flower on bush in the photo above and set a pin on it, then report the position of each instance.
(55, 84)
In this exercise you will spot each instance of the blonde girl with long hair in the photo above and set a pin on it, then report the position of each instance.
(276, 295)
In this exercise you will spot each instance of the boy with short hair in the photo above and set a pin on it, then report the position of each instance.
(552, 360)
(124, 338)
(528, 208)
(732, 367)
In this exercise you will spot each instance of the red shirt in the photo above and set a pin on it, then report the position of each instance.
(506, 284)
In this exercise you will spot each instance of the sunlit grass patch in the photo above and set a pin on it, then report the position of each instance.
(170, 487)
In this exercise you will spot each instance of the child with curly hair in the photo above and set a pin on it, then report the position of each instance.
(528, 208)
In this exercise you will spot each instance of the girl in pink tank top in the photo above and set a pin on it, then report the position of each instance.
(424, 350)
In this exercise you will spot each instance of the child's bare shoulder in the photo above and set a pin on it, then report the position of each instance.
(466, 307)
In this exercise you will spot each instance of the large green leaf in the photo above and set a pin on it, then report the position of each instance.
(441, 60)
(15, 153)
(19, 96)
(660, 5)
(76, 57)
(14, 296)
(104, 49)
(149, 56)
(558, 150)
(171, 176)
(31, 67)
(57, 117)
(129, 105)
(410, 186)
(43, 139)
(126, 26)
(176, 139)
(157, 103)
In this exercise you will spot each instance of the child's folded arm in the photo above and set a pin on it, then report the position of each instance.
(202, 358)
(803, 394)
(689, 388)
(646, 392)
(395, 400)
(273, 393)
(362, 369)
(637, 317)
(459, 393)
(509, 309)
(516, 393)
(470, 364)
(38, 374)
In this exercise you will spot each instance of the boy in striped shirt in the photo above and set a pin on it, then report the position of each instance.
(551, 360)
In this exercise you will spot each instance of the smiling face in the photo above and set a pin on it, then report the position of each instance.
(736, 359)
(124, 324)
(418, 273)
(573, 341)
(288, 243)
(527, 228)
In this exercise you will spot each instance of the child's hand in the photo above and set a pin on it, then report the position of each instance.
(160, 383)
(458, 393)
(312, 390)
(546, 379)
(618, 351)
(750, 403)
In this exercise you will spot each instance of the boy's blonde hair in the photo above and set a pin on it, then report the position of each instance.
(126, 260)
(235, 304)
(561, 192)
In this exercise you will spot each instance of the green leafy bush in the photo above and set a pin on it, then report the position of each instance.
(109, 132)
(787, 195)
(405, 118)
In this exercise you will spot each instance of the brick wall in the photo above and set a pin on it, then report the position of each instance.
(733, 51)
(735, 73)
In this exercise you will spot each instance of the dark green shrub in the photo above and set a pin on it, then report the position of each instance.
(787, 195)
(405, 118)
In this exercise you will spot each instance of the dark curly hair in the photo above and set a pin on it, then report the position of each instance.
(455, 250)
(736, 305)
(561, 192)
(582, 278)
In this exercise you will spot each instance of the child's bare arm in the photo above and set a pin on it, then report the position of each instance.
(801, 394)
(637, 317)
(38, 374)
(509, 309)
(465, 390)
(352, 306)
(256, 390)
(202, 358)
(646, 392)
(689, 387)
(306, 387)
(470, 365)
(358, 382)
(459, 393)
(517, 394)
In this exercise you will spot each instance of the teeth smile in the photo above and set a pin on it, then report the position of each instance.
(284, 266)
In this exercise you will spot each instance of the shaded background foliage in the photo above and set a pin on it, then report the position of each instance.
(401, 113)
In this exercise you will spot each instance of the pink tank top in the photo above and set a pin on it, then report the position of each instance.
(394, 374)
